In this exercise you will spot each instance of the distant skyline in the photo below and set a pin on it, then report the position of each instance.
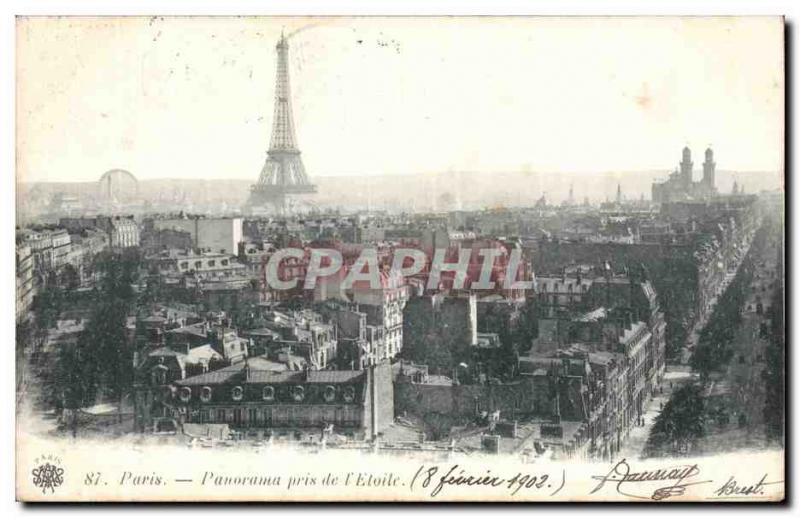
(192, 98)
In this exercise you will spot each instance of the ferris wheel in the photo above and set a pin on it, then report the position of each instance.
(118, 185)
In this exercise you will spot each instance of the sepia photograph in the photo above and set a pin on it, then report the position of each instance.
(400, 258)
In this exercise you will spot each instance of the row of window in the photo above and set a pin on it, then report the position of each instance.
(554, 288)
(199, 263)
(296, 393)
(279, 416)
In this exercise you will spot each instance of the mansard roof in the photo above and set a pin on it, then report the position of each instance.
(235, 374)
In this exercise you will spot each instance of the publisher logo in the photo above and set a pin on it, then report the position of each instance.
(48, 473)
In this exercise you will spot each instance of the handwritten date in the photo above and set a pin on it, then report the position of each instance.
(436, 480)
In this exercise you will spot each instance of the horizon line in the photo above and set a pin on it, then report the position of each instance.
(429, 173)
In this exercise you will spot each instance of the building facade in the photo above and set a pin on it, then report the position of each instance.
(680, 184)
(357, 403)
(217, 235)
(25, 281)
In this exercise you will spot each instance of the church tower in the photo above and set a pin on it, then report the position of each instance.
(708, 171)
(686, 169)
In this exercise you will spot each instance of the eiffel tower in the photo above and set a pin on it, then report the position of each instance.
(283, 174)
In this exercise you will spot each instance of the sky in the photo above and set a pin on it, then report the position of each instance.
(192, 97)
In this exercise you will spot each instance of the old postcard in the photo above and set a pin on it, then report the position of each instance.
(400, 259)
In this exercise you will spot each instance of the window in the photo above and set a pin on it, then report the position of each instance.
(224, 262)
(198, 264)
(268, 393)
(212, 263)
(298, 393)
(351, 416)
(184, 265)
(329, 394)
(205, 394)
(159, 376)
(186, 394)
(349, 394)
(237, 393)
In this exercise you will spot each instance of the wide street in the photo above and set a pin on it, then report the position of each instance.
(735, 403)
(735, 398)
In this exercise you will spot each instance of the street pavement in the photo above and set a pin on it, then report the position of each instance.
(674, 377)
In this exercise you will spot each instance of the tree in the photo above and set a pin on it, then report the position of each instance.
(70, 278)
(105, 350)
(47, 306)
(680, 425)
(101, 364)
(775, 368)
(714, 349)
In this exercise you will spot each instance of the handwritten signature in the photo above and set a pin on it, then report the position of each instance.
(622, 478)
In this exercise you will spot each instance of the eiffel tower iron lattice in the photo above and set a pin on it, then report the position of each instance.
(283, 174)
